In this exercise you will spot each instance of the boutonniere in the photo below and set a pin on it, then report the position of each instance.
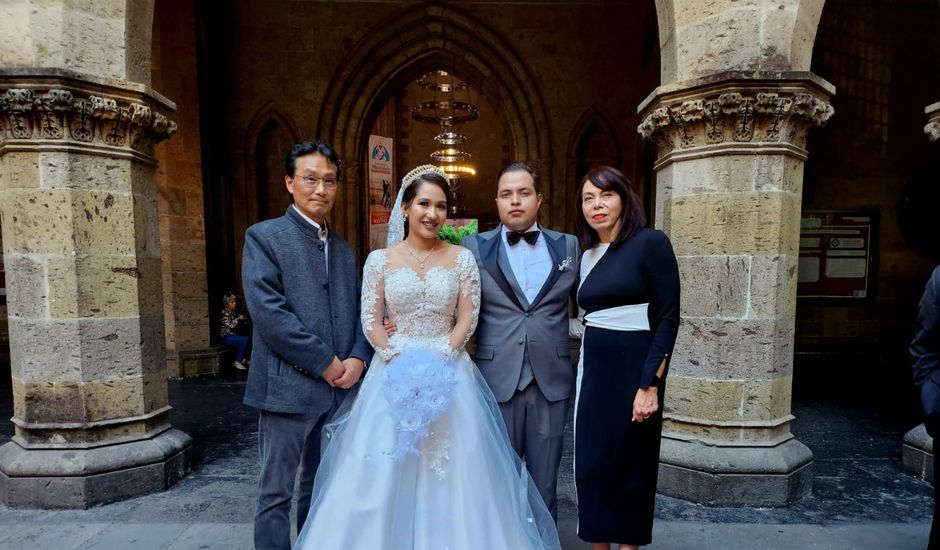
(564, 265)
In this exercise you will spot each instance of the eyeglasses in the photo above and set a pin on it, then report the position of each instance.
(311, 182)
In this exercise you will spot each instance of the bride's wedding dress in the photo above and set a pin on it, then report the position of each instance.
(421, 460)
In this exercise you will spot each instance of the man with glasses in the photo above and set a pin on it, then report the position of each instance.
(302, 289)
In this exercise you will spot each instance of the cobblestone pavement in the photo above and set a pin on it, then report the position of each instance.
(861, 498)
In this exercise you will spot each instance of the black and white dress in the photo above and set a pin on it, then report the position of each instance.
(630, 296)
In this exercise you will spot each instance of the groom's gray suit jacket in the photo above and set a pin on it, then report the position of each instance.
(509, 325)
(303, 315)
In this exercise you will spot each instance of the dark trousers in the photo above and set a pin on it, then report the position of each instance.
(536, 429)
(238, 342)
(286, 442)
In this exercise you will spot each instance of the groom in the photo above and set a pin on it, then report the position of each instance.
(302, 289)
(527, 274)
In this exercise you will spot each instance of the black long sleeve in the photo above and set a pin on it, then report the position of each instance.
(661, 271)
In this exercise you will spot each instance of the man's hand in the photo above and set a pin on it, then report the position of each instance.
(334, 371)
(389, 326)
(353, 371)
(645, 403)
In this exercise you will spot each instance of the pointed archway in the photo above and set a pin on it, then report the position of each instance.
(430, 36)
(593, 141)
(269, 134)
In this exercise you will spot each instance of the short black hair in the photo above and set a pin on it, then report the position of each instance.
(523, 167)
(306, 148)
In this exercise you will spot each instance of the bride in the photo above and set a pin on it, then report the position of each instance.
(421, 459)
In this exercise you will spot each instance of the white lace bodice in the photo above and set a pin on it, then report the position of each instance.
(438, 311)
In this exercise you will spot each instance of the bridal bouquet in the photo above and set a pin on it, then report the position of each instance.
(419, 386)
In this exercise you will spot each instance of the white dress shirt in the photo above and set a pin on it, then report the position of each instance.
(531, 263)
(326, 242)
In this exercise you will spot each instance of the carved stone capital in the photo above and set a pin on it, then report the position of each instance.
(734, 113)
(932, 129)
(64, 111)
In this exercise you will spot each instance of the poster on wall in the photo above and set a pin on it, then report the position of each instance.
(381, 189)
(836, 254)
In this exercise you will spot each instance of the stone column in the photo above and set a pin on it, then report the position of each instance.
(917, 453)
(81, 245)
(729, 172)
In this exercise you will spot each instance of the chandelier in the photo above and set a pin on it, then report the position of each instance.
(445, 103)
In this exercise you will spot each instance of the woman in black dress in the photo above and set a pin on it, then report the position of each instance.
(630, 297)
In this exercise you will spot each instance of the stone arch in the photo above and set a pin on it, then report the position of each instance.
(268, 123)
(769, 36)
(592, 126)
(429, 36)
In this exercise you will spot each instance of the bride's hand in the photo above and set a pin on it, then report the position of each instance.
(389, 326)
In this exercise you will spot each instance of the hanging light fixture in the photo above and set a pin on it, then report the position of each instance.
(445, 103)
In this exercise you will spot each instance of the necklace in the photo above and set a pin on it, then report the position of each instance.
(426, 256)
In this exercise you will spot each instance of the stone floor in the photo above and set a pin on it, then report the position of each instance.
(861, 498)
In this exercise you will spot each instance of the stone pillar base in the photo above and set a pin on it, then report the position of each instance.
(81, 478)
(201, 362)
(735, 476)
(917, 454)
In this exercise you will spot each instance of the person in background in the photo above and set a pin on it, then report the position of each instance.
(925, 353)
(229, 321)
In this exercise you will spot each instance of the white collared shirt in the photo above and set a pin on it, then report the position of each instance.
(531, 263)
(326, 243)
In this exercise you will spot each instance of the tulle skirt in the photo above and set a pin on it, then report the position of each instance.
(457, 486)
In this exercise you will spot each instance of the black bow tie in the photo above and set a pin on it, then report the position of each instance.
(530, 237)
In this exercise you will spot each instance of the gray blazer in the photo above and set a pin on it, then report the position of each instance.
(509, 325)
(302, 318)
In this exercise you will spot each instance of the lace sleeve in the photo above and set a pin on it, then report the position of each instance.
(373, 304)
(468, 300)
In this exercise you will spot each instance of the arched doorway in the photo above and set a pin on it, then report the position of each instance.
(429, 37)
(270, 133)
(488, 141)
(592, 142)
(853, 328)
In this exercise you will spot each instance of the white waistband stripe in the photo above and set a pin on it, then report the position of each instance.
(632, 317)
